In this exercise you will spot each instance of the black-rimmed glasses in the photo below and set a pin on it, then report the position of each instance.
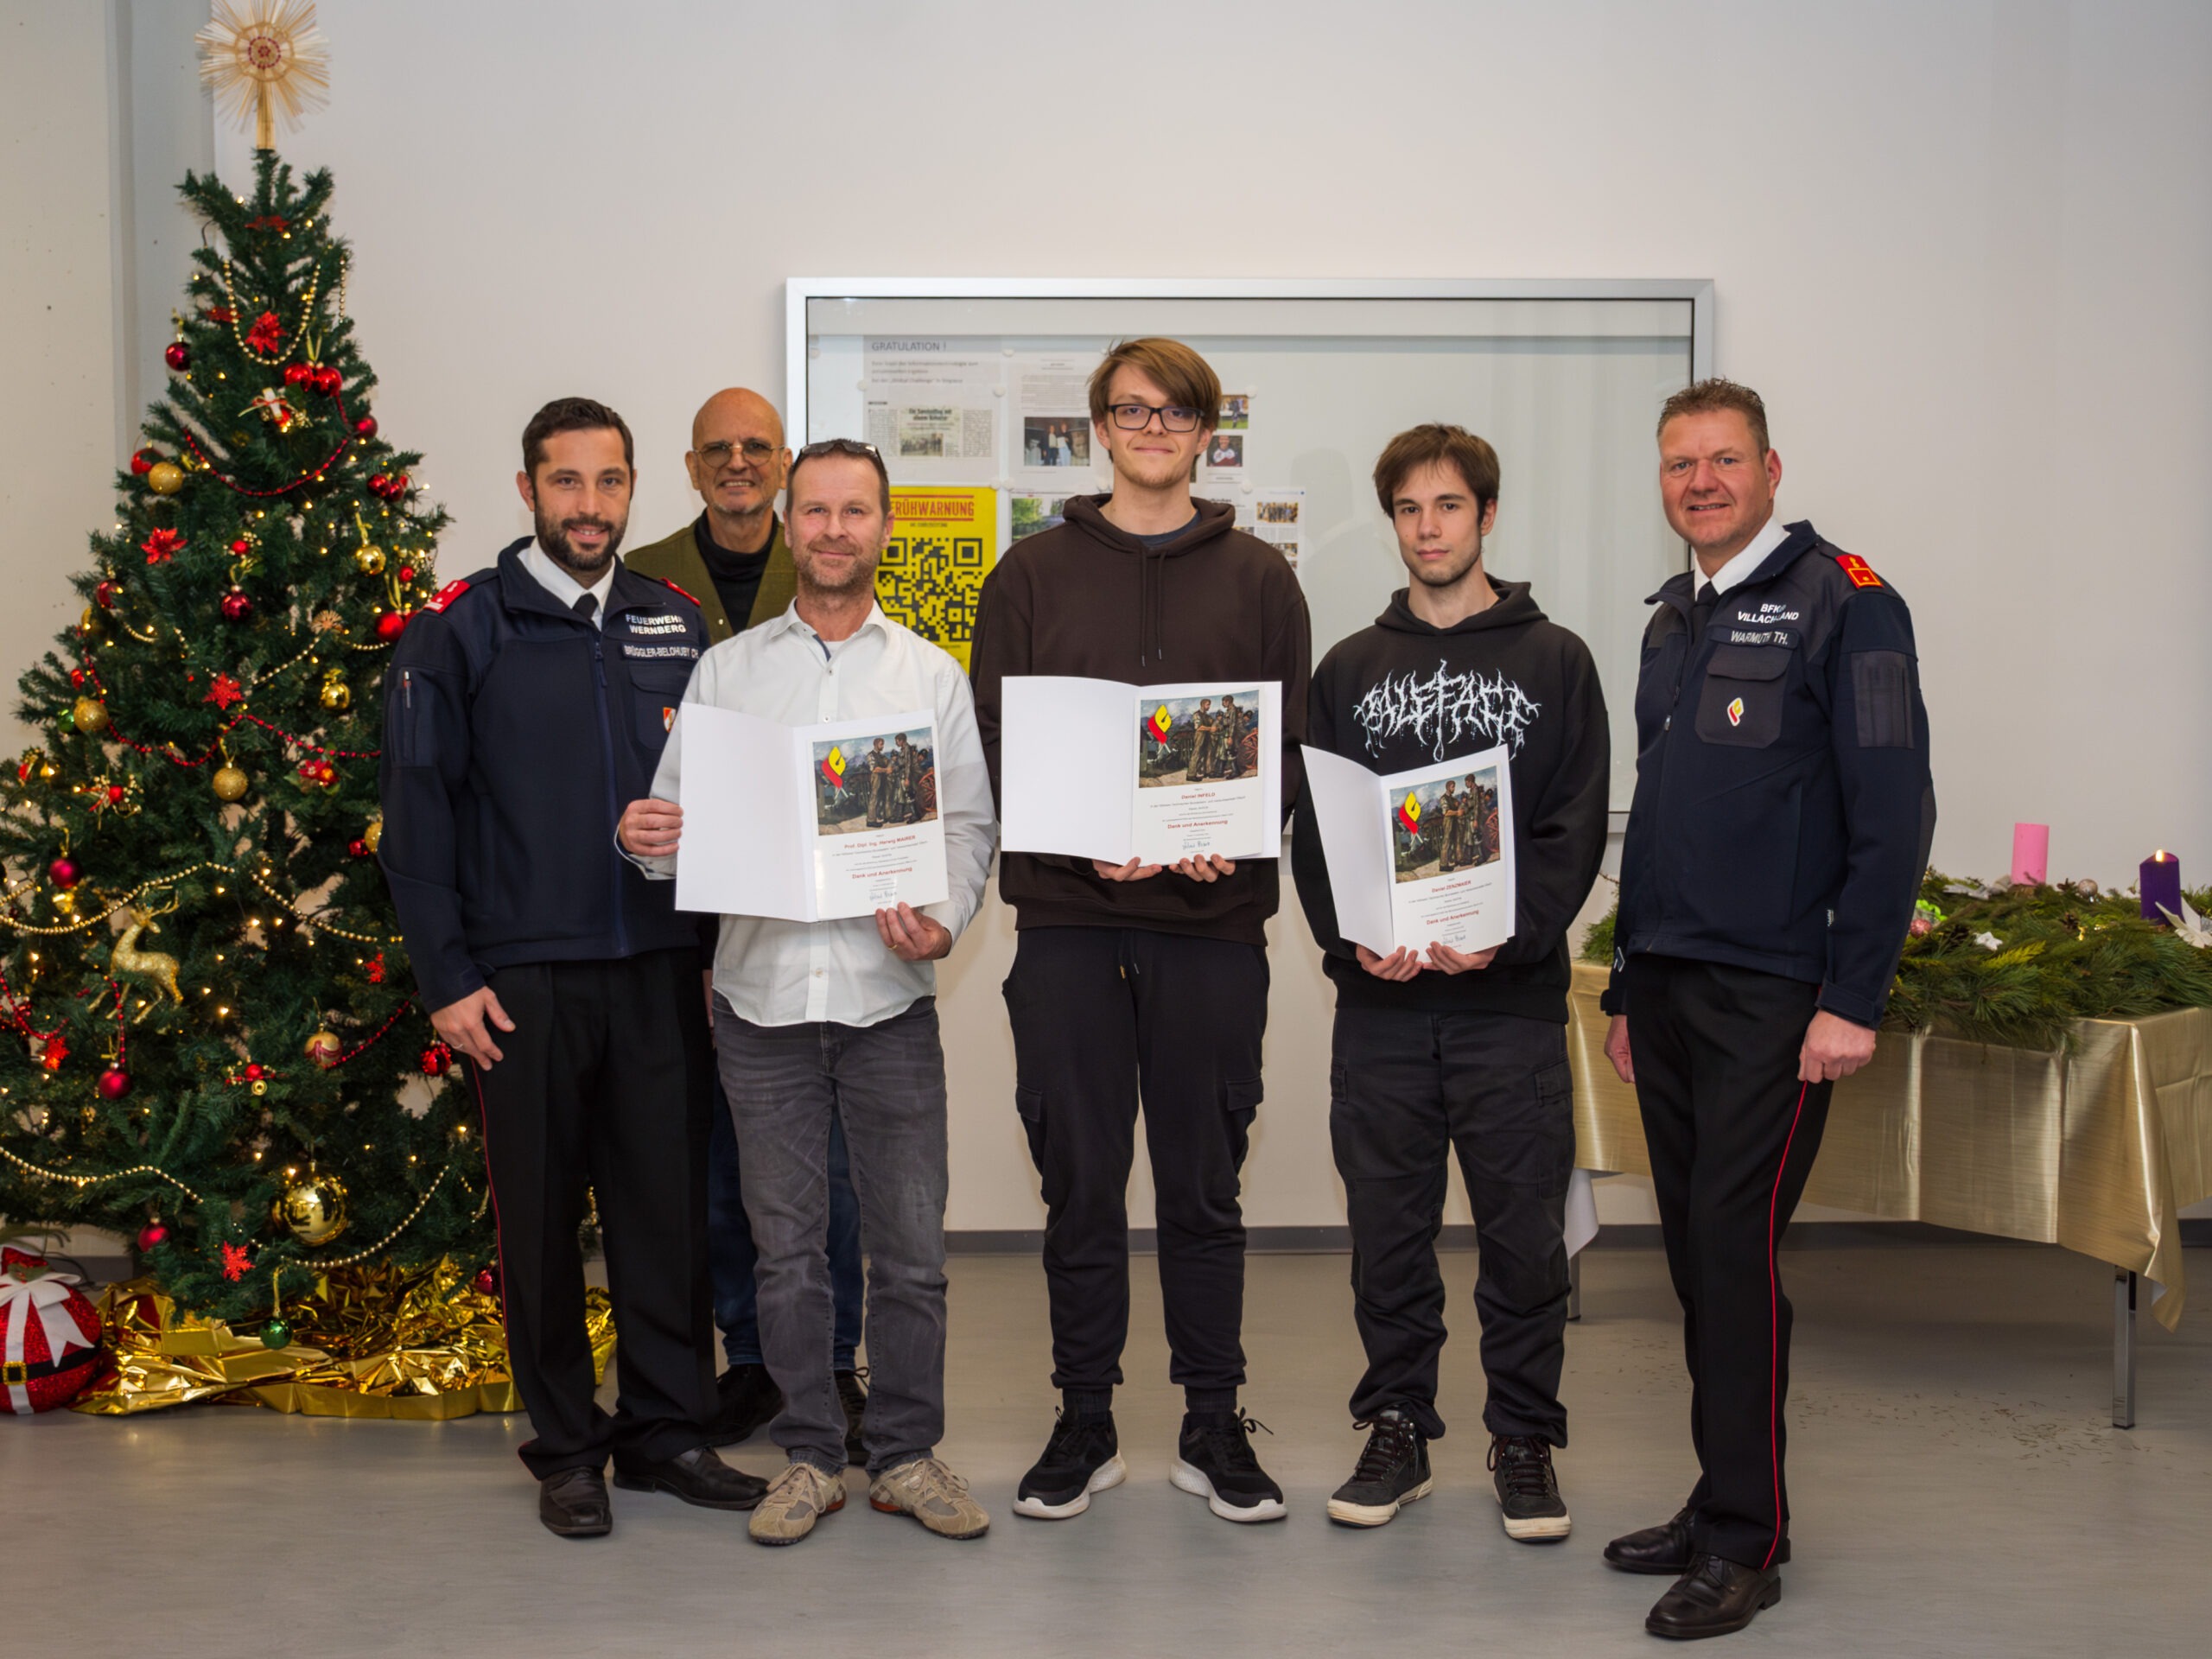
(1134, 417)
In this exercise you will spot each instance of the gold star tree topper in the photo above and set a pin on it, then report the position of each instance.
(261, 56)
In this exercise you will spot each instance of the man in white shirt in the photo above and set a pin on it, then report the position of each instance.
(813, 1019)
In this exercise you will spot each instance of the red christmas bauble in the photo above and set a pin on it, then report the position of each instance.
(77, 678)
(105, 596)
(437, 1060)
(178, 356)
(391, 625)
(378, 484)
(153, 1233)
(114, 1083)
(114, 793)
(327, 379)
(407, 573)
(357, 848)
(365, 426)
(60, 1332)
(143, 462)
(237, 606)
(298, 374)
(399, 484)
(255, 1071)
(64, 873)
(487, 1281)
(242, 547)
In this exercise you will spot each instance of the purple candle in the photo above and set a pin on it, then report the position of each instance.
(2161, 885)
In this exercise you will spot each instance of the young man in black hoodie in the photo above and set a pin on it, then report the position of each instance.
(1441, 1050)
(1141, 977)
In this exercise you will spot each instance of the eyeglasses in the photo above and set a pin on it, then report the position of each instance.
(756, 452)
(852, 446)
(1134, 417)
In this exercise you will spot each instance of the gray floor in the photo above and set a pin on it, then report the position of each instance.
(1958, 1488)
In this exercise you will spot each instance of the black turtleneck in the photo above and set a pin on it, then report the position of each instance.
(736, 575)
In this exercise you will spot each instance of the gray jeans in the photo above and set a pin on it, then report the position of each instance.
(886, 1082)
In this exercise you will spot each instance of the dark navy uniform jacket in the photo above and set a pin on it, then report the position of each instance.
(1783, 804)
(514, 734)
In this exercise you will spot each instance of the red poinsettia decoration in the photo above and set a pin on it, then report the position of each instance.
(221, 313)
(53, 1052)
(267, 334)
(236, 1263)
(161, 545)
(268, 222)
(223, 691)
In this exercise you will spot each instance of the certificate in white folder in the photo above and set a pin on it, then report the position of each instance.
(808, 824)
(1104, 770)
(1418, 858)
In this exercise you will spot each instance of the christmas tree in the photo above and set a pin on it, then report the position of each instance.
(221, 1054)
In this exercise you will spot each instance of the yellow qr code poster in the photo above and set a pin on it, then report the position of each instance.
(943, 545)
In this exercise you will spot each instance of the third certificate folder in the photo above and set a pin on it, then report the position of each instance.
(808, 823)
(1418, 858)
(1098, 769)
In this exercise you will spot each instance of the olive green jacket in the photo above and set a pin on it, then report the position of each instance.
(675, 558)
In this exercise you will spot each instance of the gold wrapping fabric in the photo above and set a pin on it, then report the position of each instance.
(420, 1345)
(2097, 1148)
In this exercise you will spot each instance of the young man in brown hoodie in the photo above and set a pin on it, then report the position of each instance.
(1143, 978)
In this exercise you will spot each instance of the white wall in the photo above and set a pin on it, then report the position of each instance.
(1964, 249)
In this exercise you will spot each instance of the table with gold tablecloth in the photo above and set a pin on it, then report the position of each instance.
(2096, 1147)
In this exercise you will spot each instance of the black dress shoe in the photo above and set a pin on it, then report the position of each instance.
(747, 1401)
(1714, 1598)
(854, 1397)
(573, 1504)
(1664, 1548)
(697, 1477)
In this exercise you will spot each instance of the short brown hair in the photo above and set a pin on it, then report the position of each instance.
(1705, 397)
(1185, 377)
(572, 415)
(1437, 445)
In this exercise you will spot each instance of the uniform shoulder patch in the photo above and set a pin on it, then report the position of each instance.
(447, 595)
(665, 583)
(1860, 573)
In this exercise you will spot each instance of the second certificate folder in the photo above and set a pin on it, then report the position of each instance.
(808, 824)
(1098, 769)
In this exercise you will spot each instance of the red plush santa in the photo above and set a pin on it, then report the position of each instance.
(49, 1335)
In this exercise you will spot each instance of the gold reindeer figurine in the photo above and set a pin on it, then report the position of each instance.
(155, 965)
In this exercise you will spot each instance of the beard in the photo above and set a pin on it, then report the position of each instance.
(860, 576)
(585, 567)
(1447, 575)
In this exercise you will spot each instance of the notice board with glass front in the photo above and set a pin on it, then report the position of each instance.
(974, 390)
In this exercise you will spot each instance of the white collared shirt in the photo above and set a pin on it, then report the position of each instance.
(782, 973)
(565, 587)
(1771, 535)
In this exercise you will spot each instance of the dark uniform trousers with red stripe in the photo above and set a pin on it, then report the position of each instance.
(1732, 1134)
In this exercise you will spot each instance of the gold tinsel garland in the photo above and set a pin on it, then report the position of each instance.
(418, 1345)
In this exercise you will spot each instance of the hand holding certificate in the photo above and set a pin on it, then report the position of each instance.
(1418, 858)
(1098, 769)
(808, 824)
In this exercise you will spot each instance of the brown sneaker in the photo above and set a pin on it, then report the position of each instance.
(797, 1498)
(932, 1494)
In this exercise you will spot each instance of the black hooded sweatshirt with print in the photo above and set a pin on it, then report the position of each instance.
(1207, 604)
(1402, 695)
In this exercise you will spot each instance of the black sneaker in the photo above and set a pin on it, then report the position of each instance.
(1083, 1457)
(1528, 1489)
(853, 1396)
(1391, 1472)
(747, 1401)
(1214, 1460)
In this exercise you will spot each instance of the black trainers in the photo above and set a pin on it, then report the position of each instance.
(1528, 1489)
(747, 1401)
(1391, 1473)
(854, 1397)
(1214, 1460)
(1083, 1457)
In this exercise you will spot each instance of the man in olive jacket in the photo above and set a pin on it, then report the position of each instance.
(733, 561)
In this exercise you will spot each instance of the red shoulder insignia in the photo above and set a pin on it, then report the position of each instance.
(447, 595)
(1861, 573)
(665, 583)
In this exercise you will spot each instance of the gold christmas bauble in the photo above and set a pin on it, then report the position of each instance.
(165, 478)
(65, 904)
(369, 561)
(313, 1208)
(90, 622)
(91, 716)
(335, 696)
(229, 784)
(324, 1047)
(374, 834)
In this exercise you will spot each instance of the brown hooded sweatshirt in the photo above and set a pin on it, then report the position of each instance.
(1210, 604)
